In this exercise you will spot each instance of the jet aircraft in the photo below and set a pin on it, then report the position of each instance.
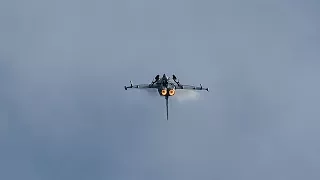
(166, 87)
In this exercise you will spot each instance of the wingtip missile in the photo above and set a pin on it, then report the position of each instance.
(126, 87)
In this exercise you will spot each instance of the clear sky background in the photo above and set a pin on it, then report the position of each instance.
(64, 114)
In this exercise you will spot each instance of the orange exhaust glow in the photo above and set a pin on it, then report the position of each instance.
(164, 92)
(172, 92)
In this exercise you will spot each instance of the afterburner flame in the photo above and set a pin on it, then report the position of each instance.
(172, 92)
(163, 92)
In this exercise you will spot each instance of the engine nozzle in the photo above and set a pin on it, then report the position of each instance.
(164, 92)
(172, 92)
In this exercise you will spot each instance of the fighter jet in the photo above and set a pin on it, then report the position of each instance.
(166, 87)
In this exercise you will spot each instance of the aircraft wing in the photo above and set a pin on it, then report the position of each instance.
(191, 87)
(140, 86)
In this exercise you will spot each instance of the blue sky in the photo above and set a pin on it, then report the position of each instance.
(65, 115)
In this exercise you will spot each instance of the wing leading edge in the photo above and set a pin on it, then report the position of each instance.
(190, 87)
(139, 86)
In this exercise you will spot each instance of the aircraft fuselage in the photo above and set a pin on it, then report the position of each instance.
(165, 87)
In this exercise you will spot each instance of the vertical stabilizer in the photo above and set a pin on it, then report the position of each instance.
(167, 97)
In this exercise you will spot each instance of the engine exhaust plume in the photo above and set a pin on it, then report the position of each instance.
(186, 95)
